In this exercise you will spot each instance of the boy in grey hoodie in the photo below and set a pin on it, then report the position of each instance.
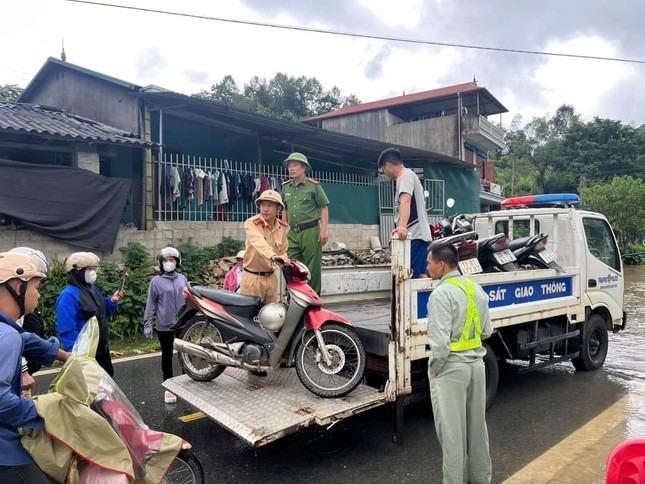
(165, 297)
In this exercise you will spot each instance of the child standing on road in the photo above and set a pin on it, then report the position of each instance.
(165, 298)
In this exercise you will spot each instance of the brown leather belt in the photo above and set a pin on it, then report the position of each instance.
(263, 274)
(304, 226)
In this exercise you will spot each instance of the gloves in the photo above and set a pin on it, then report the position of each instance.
(147, 329)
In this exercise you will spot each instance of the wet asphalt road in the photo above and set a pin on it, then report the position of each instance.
(556, 425)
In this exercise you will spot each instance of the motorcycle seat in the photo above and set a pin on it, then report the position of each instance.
(227, 298)
(517, 243)
(490, 241)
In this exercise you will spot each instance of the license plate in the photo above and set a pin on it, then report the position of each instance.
(504, 257)
(548, 256)
(470, 266)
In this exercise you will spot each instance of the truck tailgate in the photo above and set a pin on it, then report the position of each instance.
(260, 410)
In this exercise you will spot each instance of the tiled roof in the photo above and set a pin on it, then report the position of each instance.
(32, 119)
(403, 100)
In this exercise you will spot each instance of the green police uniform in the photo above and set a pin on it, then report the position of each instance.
(458, 320)
(303, 202)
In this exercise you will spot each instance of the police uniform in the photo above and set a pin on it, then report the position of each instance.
(458, 320)
(263, 242)
(303, 202)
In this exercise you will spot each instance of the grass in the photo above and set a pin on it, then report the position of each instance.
(138, 345)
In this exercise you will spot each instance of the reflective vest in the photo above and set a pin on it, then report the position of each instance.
(466, 341)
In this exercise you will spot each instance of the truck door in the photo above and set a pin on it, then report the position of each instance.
(605, 283)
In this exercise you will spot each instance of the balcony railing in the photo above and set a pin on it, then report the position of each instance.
(490, 187)
(493, 131)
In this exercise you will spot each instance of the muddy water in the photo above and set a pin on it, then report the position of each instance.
(626, 358)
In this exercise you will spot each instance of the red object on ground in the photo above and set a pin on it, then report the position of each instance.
(626, 463)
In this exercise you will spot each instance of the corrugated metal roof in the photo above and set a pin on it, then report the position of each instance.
(32, 119)
(406, 99)
(53, 63)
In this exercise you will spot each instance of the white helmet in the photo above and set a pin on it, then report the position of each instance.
(272, 316)
(169, 252)
(37, 256)
(81, 260)
(240, 254)
(22, 267)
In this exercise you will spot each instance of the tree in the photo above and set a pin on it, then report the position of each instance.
(10, 93)
(603, 148)
(535, 149)
(622, 201)
(283, 96)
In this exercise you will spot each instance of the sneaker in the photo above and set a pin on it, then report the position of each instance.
(169, 397)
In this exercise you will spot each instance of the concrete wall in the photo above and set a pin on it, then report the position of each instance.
(435, 134)
(89, 97)
(171, 233)
(372, 124)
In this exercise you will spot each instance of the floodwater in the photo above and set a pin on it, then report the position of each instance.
(626, 357)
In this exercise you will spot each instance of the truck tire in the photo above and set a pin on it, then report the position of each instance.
(593, 348)
(492, 375)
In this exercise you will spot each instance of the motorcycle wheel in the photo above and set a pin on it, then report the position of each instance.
(348, 361)
(185, 469)
(199, 330)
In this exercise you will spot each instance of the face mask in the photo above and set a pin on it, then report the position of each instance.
(169, 266)
(90, 277)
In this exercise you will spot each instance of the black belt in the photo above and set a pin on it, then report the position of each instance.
(304, 226)
(263, 274)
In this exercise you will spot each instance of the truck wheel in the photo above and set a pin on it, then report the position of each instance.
(201, 331)
(492, 375)
(593, 349)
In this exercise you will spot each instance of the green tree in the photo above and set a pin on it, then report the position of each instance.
(622, 201)
(603, 148)
(282, 97)
(10, 92)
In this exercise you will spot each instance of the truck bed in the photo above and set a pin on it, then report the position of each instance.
(372, 322)
(260, 410)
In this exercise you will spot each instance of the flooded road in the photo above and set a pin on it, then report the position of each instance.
(555, 425)
(626, 357)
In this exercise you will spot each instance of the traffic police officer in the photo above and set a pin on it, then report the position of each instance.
(266, 243)
(458, 320)
(307, 213)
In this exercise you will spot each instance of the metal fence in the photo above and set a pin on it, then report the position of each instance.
(434, 196)
(198, 188)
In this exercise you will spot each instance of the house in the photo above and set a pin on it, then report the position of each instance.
(196, 136)
(451, 120)
(49, 144)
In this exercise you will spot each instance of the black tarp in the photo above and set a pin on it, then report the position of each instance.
(69, 204)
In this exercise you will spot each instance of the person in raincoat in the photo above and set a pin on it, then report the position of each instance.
(80, 300)
(165, 298)
(19, 293)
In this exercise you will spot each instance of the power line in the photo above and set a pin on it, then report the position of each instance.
(358, 34)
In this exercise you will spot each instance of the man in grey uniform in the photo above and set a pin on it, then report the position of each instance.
(411, 215)
(458, 320)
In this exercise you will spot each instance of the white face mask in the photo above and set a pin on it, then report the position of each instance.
(169, 266)
(90, 277)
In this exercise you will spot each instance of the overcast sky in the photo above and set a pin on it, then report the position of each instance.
(189, 55)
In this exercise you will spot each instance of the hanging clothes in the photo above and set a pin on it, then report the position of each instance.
(264, 184)
(199, 186)
(189, 185)
(176, 192)
(214, 179)
(256, 188)
(223, 191)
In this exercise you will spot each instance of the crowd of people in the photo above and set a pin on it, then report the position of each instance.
(294, 225)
